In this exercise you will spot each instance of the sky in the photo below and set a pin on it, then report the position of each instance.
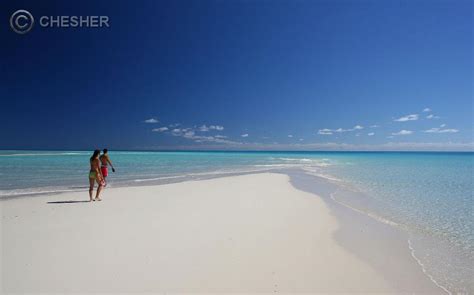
(232, 75)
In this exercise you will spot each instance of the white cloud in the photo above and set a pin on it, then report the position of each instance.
(189, 134)
(180, 131)
(324, 132)
(174, 125)
(426, 110)
(214, 139)
(151, 121)
(412, 117)
(301, 139)
(403, 132)
(442, 125)
(374, 126)
(441, 130)
(358, 134)
(327, 131)
(245, 135)
(371, 133)
(290, 136)
(431, 116)
(216, 127)
(161, 129)
(205, 128)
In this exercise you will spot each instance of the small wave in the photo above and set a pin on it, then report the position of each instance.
(325, 176)
(412, 251)
(225, 172)
(42, 154)
(38, 191)
(159, 178)
(372, 215)
(276, 165)
(311, 162)
(199, 174)
(296, 159)
(328, 177)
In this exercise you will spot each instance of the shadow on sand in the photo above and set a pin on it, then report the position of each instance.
(67, 202)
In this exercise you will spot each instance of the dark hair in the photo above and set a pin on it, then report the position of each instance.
(105, 151)
(95, 155)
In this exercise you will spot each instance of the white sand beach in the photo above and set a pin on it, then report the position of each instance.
(247, 234)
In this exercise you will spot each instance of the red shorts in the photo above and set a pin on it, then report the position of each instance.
(104, 170)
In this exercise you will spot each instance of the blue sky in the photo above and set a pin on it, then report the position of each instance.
(242, 75)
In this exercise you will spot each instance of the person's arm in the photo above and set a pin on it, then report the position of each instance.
(110, 163)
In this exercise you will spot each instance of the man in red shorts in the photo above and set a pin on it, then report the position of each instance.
(105, 161)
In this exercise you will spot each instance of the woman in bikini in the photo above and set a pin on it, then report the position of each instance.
(95, 175)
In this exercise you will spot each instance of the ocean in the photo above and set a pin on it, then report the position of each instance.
(427, 194)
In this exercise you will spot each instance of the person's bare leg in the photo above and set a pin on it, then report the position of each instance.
(91, 189)
(99, 189)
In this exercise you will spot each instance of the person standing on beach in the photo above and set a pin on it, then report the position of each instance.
(105, 161)
(95, 175)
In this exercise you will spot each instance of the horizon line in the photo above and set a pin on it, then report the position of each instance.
(246, 151)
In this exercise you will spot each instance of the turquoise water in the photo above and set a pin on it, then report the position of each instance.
(430, 195)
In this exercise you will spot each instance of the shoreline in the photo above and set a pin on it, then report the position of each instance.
(137, 183)
(340, 234)
(430, 252)
(389, 235)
